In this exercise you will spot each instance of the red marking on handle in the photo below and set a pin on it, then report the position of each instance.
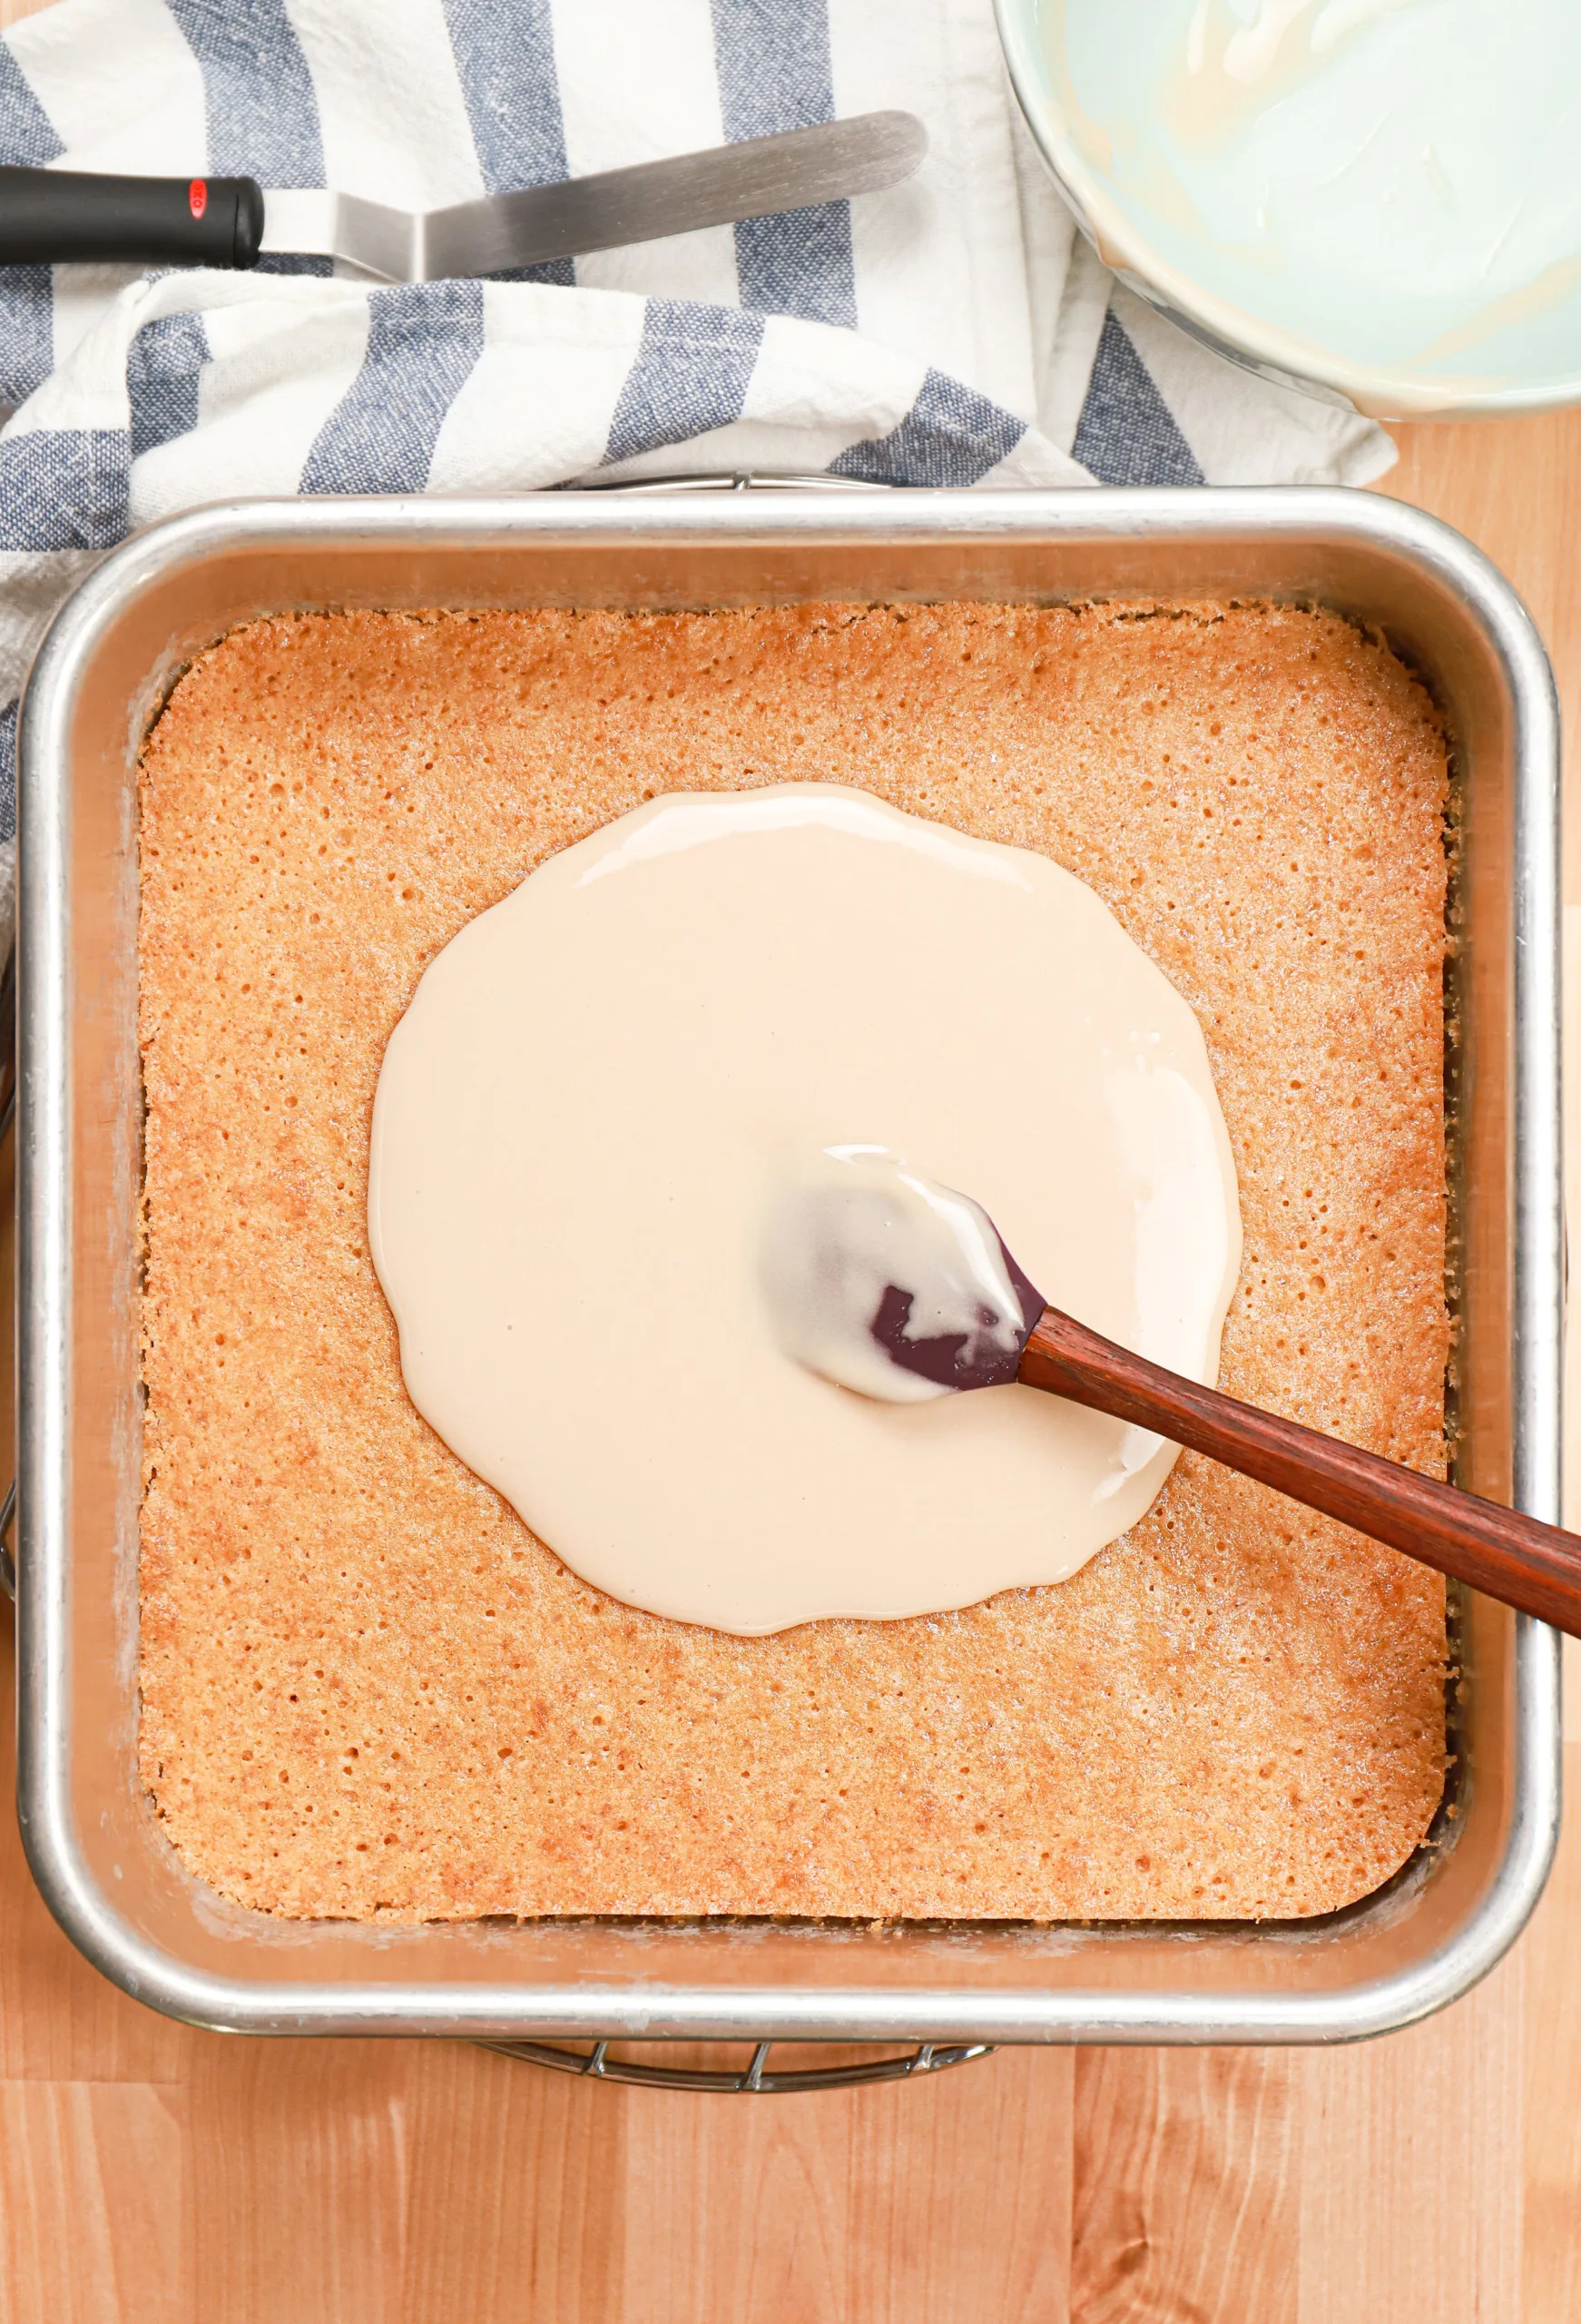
(196, 197)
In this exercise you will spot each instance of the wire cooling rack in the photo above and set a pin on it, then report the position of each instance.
(597, 2066)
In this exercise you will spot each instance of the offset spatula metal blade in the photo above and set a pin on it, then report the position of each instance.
(795, 170)
(50, 216)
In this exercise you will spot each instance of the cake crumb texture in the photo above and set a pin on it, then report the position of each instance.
(368, 1691)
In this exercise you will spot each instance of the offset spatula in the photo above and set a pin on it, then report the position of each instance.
(48, 216)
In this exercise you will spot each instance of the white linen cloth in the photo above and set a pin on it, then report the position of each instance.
(955, 330)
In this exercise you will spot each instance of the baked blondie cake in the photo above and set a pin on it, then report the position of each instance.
(368, 1691)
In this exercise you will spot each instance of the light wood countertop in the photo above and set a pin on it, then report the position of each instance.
(153, 2175)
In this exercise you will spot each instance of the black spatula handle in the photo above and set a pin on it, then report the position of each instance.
(51, 215)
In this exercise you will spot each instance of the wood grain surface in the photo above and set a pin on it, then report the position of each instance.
(152, 2175)
(1516, 1558)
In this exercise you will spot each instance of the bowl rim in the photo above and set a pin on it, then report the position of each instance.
(1274, 354)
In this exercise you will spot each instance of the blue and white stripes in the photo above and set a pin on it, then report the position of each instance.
(950, 332)
(505, 57)
(423, 341)
(28, 135)
(775, 73)
(260, 113)
(691, 374)
(223, 384)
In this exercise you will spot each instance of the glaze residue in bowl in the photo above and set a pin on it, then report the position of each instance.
(1378, 196)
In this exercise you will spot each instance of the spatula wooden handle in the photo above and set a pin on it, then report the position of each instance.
(1527, 1564)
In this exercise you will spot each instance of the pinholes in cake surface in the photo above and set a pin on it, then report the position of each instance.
(615, 1092)
(1235, 1708)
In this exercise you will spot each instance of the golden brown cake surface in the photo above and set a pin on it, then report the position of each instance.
(368, 1690)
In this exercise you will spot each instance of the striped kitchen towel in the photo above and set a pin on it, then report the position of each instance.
(953, 331)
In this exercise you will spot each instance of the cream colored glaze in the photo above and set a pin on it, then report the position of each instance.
(843, 1225)
(581, 1127)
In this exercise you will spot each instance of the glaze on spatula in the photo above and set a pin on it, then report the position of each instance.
(886, 1282)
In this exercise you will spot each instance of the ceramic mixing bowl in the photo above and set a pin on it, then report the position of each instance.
(1531, 362)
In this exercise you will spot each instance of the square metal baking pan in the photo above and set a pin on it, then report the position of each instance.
(94, 1844)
